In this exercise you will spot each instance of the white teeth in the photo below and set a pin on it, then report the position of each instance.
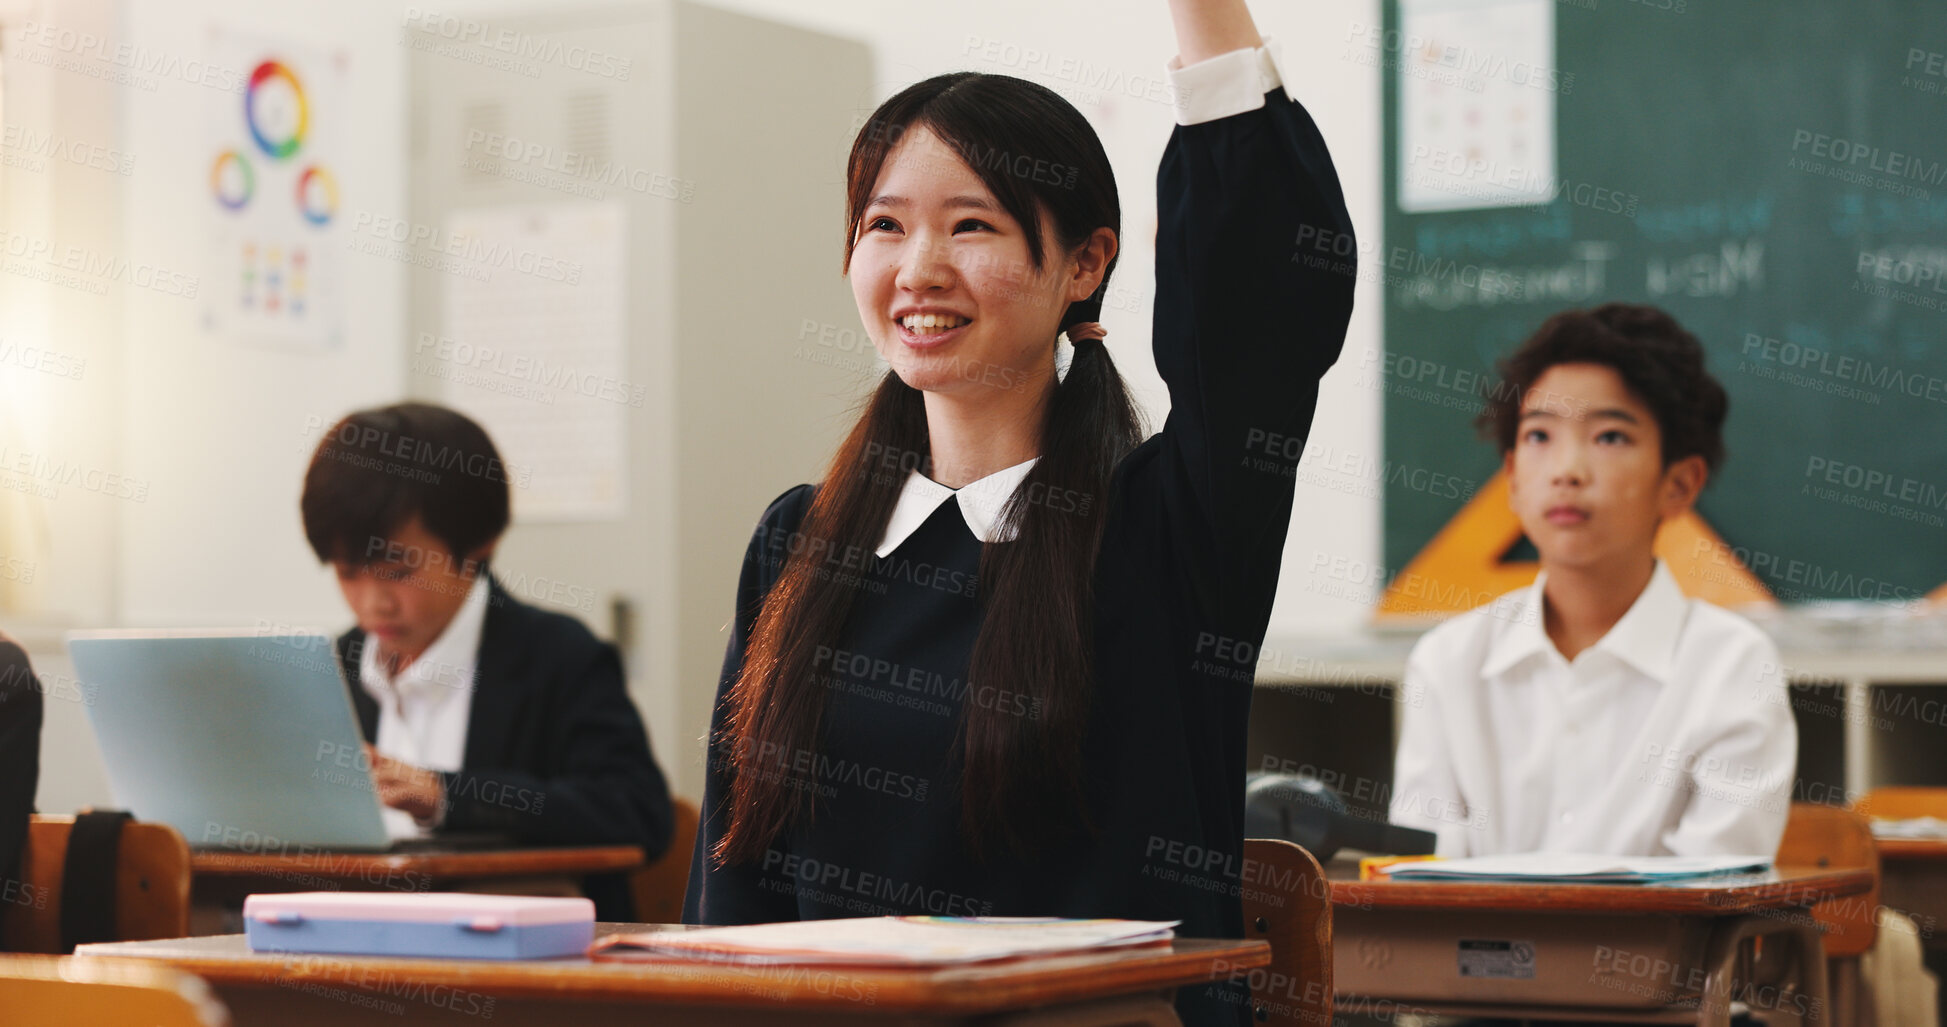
(931, 324)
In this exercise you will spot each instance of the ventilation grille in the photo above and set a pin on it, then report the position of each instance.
(489, 117)
(587, 129)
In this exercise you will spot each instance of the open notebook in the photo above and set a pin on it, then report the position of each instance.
(888, 940)
(1577, 868)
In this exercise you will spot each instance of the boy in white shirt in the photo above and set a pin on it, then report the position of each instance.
(1599, 710)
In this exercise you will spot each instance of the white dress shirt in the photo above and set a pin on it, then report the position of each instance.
(980, 502)
(1672, 735)
(423, 713)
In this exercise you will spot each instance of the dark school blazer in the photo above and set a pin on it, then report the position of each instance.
(20, 762)
(555, 751)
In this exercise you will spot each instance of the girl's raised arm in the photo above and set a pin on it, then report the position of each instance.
(1254, 282)
(1207, 28)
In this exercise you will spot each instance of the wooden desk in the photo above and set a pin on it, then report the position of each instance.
(1121, 987)
(1912, 850)
(1913, 880)
(403, 870)
(1576, 951)
(220, 879)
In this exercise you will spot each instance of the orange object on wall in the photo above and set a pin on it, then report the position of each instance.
(1461, 567)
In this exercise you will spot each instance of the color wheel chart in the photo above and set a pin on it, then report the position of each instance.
(272, 194)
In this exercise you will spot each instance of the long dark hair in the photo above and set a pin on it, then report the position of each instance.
(1021, 775)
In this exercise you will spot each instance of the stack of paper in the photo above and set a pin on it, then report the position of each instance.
(1916, 827)
(889, 940)
(1579, 868)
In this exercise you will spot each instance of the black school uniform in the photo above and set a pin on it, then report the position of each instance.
(1246, 321)
(556, 753)
(20, 765)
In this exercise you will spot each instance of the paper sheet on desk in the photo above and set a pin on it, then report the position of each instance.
(888, 940)
(1579, 868)
(1924, 828)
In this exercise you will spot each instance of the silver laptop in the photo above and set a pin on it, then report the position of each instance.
(241, 740)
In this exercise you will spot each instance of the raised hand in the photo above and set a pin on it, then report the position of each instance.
(1209, 28)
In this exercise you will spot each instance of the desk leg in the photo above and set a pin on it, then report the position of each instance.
(1845, 991)
(1804, 982)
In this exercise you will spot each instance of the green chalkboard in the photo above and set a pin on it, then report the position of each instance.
(1773, 173)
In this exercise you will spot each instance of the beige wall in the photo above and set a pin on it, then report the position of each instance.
(213, 428)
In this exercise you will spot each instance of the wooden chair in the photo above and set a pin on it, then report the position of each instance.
(38, 991)
(658, 887)
(1288, 902)
(151, 886)
(1828, 836)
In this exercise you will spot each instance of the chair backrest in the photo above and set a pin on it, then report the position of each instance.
(151, 886)
(658, 887)
(1904, 803)
(1288, 902)
(40, 991)
(1828, 836)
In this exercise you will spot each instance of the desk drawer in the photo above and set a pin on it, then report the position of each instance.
(1474, 956)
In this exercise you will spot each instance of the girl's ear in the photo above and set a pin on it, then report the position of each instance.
(1091, 260)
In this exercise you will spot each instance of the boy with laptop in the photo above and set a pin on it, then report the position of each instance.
(1599, 710)
(482, 713)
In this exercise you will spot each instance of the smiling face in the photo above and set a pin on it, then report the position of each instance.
(1586, 474)
(945, 281)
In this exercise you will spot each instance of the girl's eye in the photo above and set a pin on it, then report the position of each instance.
(1534, 435)
(971, 223)
(1612, 437)
(881, 224)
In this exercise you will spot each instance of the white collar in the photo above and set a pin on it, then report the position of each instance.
(447, 666)
(981, 503)
(1645, 637)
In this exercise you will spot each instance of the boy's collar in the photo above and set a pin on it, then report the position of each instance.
(1645, 637)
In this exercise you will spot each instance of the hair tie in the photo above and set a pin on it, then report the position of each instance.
(1086, 331)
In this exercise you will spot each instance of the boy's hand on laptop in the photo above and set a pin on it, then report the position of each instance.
(403, 786)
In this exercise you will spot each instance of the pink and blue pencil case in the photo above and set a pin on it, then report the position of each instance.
(443, 925)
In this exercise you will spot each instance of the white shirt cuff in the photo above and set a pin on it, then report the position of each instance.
(1226, 84)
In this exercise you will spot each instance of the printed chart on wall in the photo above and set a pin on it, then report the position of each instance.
(272, 193)
(1476, 106)
(532, 345)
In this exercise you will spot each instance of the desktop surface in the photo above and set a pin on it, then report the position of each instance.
(1779, 888)
(225, 960)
